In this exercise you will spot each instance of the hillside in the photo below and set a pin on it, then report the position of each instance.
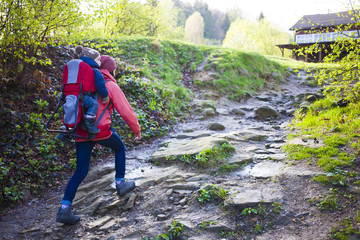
(187, 91)
(156, 77)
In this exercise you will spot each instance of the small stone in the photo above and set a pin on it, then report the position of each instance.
(183, 201)
(131, 202)
(209, 112)
(238, 112)
(216, 126)
(161, 217)
(169, 192)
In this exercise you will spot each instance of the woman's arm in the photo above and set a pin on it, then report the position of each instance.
(123, 107)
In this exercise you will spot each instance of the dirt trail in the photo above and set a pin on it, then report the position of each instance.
(170, 191)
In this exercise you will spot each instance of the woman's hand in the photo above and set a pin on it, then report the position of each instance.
(137, 136)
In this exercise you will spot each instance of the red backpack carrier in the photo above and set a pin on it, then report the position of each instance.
(78, 77)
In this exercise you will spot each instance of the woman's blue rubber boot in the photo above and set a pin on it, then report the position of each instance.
(66, 216)
(124, 187)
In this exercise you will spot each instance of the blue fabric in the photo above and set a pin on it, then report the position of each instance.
(90, 102)
(83, 157)
(99, 78)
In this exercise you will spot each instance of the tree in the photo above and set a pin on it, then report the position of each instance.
(209, 22)
(260, 37)
(194, 28)
(125, 17)
(261, 17)
(342, 82)
(28, 26)
(168, 15)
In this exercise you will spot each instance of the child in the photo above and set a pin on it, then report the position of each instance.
(92, 58)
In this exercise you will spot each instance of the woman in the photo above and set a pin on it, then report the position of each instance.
(105, 137)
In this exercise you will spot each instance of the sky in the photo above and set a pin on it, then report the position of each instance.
(283, 13)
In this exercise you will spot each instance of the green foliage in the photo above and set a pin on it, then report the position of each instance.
(194, 28)
(341, 82)
(257, 37)
(226, 234)
(28, 27)
(124, 17)
(278, 207)
(208, 157)
(257, 219)
(319, 122)
(240, 73)
(173, 233)
(204, 196)
(206, 224)
(210, 192)
(329, 203)
(249, 211)
(348, 227)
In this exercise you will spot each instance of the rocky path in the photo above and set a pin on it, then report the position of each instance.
(264, 196)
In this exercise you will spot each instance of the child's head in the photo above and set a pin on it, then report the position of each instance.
(88, 52)
(108, 63)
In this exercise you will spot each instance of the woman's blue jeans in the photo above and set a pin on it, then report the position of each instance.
(83, 156)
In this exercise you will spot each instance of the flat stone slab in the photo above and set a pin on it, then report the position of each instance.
(306, 142)
(252, 197)
(146, 176)
(269, 169)
(178, 148)
(241, 159)
(193, 135)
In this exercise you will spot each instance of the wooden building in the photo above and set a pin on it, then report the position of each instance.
(323, 30)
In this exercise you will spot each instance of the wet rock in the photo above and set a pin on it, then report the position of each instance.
(311, 98)
(186, 186)
(251, 197)
(222, 111)
(209, 112)
(194, 135)
(305, 104)
(131, 202)
(169, 192)
(216, 126)
(183, 202)
(238, 112)
(240, 159)
(354, 190)
(199, 103)
(178, 148)
(151, 175)
(161, 217)
(268, 169)
(283, 221)
(265, 112)
(99, 222)
(251, 135)
(264, 98)
(308, 142)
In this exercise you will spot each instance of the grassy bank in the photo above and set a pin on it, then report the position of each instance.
(336, 127)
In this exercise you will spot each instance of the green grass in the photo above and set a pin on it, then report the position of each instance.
(338, 128)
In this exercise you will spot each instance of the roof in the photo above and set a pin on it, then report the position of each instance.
(325, 20)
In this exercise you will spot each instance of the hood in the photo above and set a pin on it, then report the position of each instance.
(107, 75)
(91, 62)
